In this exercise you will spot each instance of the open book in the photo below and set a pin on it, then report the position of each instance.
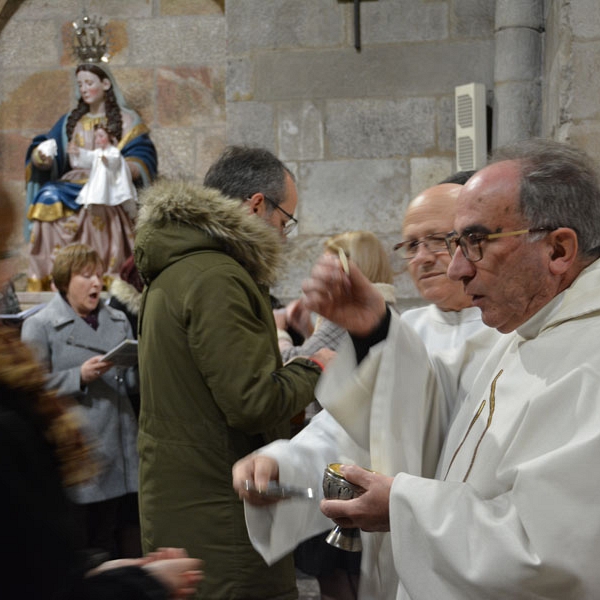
(19, 317)
(124, 354)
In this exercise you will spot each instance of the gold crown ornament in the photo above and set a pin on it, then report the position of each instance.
(90, 42)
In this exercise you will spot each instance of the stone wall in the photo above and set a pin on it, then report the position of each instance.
(571, 78)
(363, 131)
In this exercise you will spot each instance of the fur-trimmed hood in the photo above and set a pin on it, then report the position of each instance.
(177, 218)
(126, 294)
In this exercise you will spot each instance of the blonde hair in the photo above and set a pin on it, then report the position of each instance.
(366, 251)
(71, 260)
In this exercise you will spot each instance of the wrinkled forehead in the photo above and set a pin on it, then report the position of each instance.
(490, 199)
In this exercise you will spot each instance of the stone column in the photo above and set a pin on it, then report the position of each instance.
(517, 70)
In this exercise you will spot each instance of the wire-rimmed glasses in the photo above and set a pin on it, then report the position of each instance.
(290, 224)
(434, 243)
(470, 242)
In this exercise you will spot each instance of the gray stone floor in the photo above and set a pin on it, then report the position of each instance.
(308, 588)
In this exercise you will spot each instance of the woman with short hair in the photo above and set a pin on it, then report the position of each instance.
(70, 335)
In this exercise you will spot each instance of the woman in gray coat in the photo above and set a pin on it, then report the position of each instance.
(70, 335)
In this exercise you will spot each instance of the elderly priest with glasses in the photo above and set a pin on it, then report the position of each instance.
(501, 500)
(449, 318)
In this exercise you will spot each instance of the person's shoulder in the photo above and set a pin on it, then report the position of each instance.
(114, 313)
(419, 310)
(413, 315)
(54, 314)
(43, 315)
(217, 271)
(56, 305)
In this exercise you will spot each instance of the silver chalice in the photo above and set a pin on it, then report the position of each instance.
(336, 487)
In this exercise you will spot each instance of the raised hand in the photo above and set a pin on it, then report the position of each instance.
(350, 300)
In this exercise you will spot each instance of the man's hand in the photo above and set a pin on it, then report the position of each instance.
(351, 301)
(180, 576)
(370, 511)
(258, 470)
(171, 566)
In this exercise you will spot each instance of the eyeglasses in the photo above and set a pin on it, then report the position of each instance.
(290, 224)
(470, 243)
(434, 243)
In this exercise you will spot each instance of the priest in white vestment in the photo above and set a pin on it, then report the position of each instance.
(502, 501)
(445, 324)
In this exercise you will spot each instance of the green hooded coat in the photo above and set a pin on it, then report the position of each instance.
(212, 382)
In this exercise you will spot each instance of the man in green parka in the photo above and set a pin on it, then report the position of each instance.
(213, 387)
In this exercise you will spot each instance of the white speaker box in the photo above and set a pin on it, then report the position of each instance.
(471, 132)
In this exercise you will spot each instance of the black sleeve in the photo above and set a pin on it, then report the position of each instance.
(363, 344)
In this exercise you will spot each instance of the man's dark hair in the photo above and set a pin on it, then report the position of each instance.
(460, 177)
(242, 171)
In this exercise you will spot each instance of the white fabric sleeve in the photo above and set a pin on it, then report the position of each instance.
(277, 529)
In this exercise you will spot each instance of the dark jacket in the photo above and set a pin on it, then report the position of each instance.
(40, 559)
(125, 297)
(212, 381)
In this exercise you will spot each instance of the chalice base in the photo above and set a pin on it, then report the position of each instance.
(345, 539)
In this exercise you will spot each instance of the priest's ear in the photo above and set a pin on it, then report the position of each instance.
(564, 246)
